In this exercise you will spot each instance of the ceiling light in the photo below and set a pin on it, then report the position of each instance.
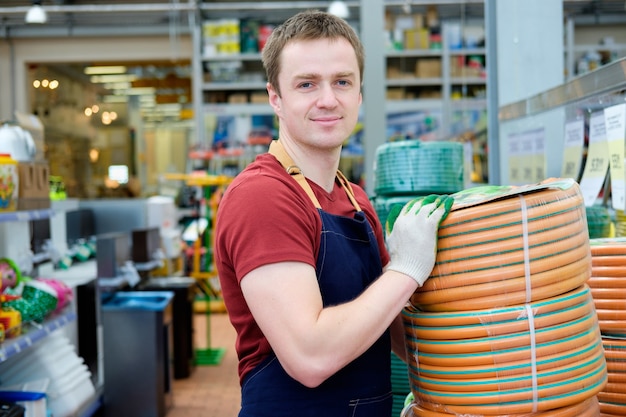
(36, 14)
(339, 8)
(107, 69)
(112, 78)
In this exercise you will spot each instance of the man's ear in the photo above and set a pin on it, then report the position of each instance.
(274, 97)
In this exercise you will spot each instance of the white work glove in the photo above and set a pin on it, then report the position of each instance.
(412, 235)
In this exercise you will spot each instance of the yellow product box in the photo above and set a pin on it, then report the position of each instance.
(12, 322)
(416, 39)
(9, 183)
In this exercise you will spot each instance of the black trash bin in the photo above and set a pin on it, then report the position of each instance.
(184, 289)
(137, 333)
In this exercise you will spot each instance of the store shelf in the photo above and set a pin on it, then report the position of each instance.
(33, 333)
(233, 57)
(234, 86)
(468, 80)
(414, 82)
(467, 51)
(239, 109)
(401, 106)
(414, 53)
(25, 215)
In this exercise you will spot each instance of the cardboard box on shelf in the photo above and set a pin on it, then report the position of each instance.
(34, 185)
(395, 93)
(238, 98)
(259, 98)
(428, 68)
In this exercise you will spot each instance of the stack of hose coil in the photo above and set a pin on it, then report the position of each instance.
(384, 204)
(415, 167)
(608, 287)
(613, 397)
(405, 170)
(598, 221)
(506, 324)
(408, 169)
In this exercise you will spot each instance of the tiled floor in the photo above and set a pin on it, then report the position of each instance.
(211, 390)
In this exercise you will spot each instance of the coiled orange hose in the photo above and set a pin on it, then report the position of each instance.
(587, 408)
(529, 246)
(506, 324)
(540, 358)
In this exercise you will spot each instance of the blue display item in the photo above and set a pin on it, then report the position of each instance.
(137, 300)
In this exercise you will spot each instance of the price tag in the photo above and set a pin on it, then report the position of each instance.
(538, 137)
(528, 163)
(515, 162)
(573, 149)
(614, 119)
(597, 163)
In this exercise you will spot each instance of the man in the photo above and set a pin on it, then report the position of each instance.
(300, 252)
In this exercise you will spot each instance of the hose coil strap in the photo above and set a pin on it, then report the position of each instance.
(533, 354)
(524, 212)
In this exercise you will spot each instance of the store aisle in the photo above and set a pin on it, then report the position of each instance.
(211, 390)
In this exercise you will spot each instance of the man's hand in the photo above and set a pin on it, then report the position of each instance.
(412, 235)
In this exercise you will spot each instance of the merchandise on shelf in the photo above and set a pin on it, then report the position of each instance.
(221, 37)
(9, 183)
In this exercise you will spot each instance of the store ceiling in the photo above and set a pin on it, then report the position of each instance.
(67, 18)
(70, 17)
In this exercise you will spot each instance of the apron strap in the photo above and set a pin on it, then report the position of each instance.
(276, 148)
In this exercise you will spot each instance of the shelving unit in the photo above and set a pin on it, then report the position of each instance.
(451, 96)
(575, 48)
(32, 334)
(26, 215)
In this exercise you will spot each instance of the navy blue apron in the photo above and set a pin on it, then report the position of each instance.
(348, 261)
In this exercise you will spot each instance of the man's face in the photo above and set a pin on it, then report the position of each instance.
(320, 92)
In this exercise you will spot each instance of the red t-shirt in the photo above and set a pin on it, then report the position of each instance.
(266, 217)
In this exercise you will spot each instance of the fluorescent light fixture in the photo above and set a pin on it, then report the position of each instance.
(139, 91)
(112, 78)
(117, 86)
(339, 8)
(105, 69)
(114, 99)
(36, 14)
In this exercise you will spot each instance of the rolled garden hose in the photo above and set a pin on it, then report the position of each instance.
(504, 246)
(608, 284)
(587, 408)
(598, 221)
(384, 204)
(517, 359)
(418, 168)
(613, 397)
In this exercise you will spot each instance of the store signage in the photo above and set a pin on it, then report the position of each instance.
(615, 120)
(597, 162)
(573, 149)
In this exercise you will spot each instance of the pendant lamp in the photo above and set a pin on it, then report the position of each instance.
(339, 8)
(36, 14)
